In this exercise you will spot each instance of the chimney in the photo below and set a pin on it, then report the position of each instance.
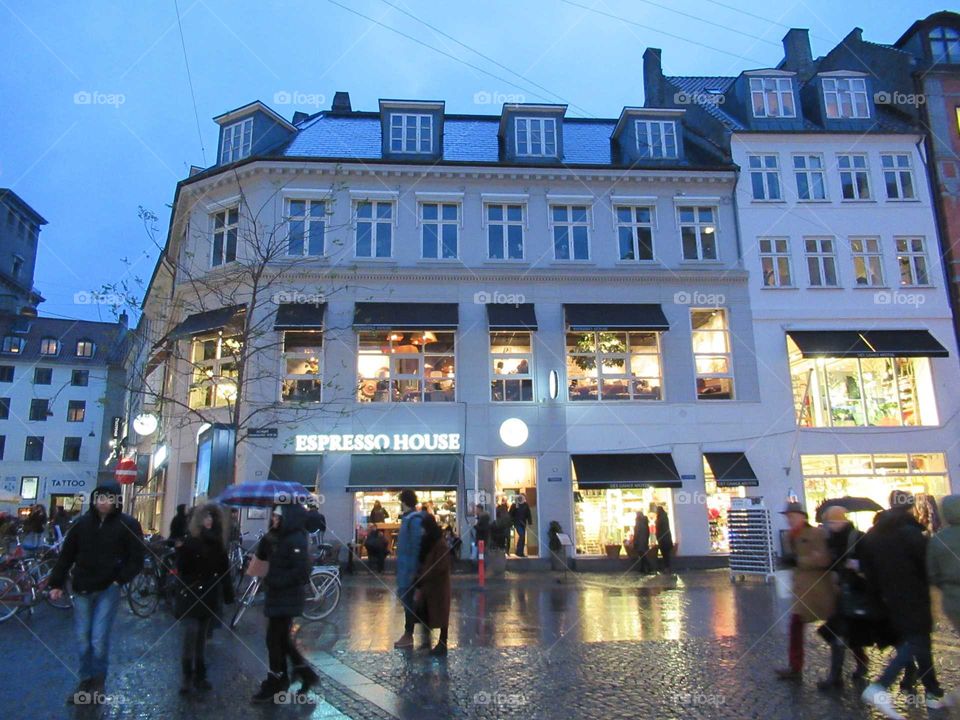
(652, 78)
(796, 49)
(299, 117)
(123, 320)
(341, 104)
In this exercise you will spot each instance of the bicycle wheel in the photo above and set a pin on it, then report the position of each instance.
(245, 601)
(323, 595)
(11, 598)
(143, 596)
(42, 578)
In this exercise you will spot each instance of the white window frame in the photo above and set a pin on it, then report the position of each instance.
(45, 348)
(213, 368)
(660, 149)
(822, 258)
(597, 357)
(440, 224)
(809, 173)
(545, 126)
(294, 377)
(763, 87)
(911, 259)
(700, 227)
(634, 225)
(421, 122)
(777, 254)
(518, 377)
(898, 173)
(506, 224)
(866, 255)
(308, 220)
(395, 358)
(849, 89)
(224, 231)
(853, 170)
(570, 224)
(86, 348)
(237, 141)
(375, 222)
(765, 172)
(727, 354)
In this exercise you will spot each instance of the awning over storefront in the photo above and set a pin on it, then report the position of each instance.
(867, 343)
(303, 469)
(634, 470)
(622, 316)
(406, 316)
(731, 469)
(207, 321)
(300, 316)
(501, 316)
(395, 471)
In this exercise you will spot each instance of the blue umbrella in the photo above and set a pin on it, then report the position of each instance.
(265, 494)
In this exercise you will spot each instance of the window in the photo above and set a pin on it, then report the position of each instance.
(76, 410)
(511, 356)
(765, 177)
(12, 345)
(302, 367)
(944, 45)
(613, 366)
(867, 261)
(3, 445)
(411, 133)
(772, 97)
(6, 373)
(33, 449)
(306, 223)
(225, 226)
(656, 138)
(374, 229)
(505, 231)
(80, 378)
(440, 225)
(214, 361)
(39, 409)
(536, 137)
(821, 262)
(571, 232)
(49, 346)
(4, 408)
(406, 366)
(85, 348)
(71, 449)
(912, 260)
(42, 376)
(854, 178)
(845, 98)
(711, 354)
(17, 266)
(811, 182)
(897, 176)
(635, 232)
(237, 140)
(775, 262)
(698, 232)
(29, 485)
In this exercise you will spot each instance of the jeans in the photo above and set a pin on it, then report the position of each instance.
(195, 640)
(913, 647)
(795, 652)
(93, 615)
(521, 539)
(409, 614)
(280, 645)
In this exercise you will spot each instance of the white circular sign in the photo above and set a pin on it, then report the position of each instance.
(145, 424)
(514, 432)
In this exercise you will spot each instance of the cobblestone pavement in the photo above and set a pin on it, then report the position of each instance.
(534, 646)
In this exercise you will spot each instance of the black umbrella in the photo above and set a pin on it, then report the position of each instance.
(852, 504)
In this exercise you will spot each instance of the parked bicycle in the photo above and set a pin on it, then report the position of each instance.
(156, 582)
(25, 580)
(240, 558)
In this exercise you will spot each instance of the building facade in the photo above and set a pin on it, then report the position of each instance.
(19, 234)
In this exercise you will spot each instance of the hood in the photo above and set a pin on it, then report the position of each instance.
(107, 488)
(294, 518)
(950, 509)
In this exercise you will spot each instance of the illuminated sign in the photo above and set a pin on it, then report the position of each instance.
(381, 442)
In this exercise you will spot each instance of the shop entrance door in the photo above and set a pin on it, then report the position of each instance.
(516, 478)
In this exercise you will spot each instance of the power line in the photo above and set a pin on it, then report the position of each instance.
(761, 17)
(193, 97)
(711, 23)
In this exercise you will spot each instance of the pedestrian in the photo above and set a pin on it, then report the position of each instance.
(376, 546)
(894, 556)
(481, 530)
(502, 524)
(432, 594)
(641, 542)
(813, 585)
(203, 572)
(943, 566)
(521, 516)
(35, 526)
(378, 514)
(59, 523)
(103, 550)
(286, 551)
(664, 535)
(408, 562)
(178, 526)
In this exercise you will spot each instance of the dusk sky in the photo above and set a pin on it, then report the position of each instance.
(98, 116)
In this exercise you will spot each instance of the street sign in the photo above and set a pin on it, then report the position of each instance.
(262, 432)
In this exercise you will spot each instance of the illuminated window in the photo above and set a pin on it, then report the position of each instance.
(775, 262)
(772, 97)
(302, 366)
(49, 346)
(511, 358)
(214, 359)
(406, 366)
(912, 260)
(846, 98)
(610, 366)
(867, 261)
(711, 354)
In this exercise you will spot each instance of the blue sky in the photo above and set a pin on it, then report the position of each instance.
(97, 116)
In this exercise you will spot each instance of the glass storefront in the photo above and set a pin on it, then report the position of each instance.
(613, 366)
(406, 366)
(718, 500)
(516, 476)
(442, 503)
(606, 517)
(148, 503)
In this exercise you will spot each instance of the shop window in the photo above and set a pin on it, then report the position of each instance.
(214, 360)
(711, 354)
(511, 357)
(302, 367)
(442, 503)
(614, 366)
(607, 517)
(406, 366)
(718, 501)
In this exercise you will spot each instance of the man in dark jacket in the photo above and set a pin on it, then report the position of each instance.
(178, 526)
(104, 549)
(893, 556)
(521, 516)
(664, 535)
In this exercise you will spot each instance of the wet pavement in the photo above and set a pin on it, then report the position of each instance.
(536, 645)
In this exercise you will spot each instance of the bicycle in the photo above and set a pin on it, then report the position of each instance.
(28, 583)
(240, 558)
(154, 583)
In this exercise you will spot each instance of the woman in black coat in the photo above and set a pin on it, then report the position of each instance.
(287, 551)
(641, 542)
(203, 570)
(664, 536)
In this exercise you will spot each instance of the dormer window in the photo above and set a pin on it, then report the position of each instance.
(17, 267)
(536, 137)
(657, 138)
(845, 98)
(772, 97)
(411, 133)
(237, 140)
(49, 346)
(944, 45)
(12, 345)
(85, 348)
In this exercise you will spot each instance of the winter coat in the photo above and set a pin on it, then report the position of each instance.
(943, 558)
(433, 584)
(36, 522)
(203, 566)
(407, 550)
(521, 515)
(378, 515)
(178, 526)
(814, 586)
(482, 528)
(288, 553)
(641, 535)
(662, 526)
(100, 552)
(894, 557)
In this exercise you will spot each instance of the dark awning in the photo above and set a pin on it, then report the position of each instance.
(731, 469)
(634, 470)
(622, 316)
(207, 321)
(300, 316)
(867, 343)
(501, 316)
(395, 472)
(406, 316)
(302, 469)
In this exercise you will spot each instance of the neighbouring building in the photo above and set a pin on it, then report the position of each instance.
(19, 235)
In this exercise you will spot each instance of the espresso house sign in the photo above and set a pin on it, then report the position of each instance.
(380, 442)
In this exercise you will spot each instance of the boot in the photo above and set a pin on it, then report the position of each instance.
(80, 696)
(186, 678)
(98, 689)
(270, 687)
(307, 677)
(909, 680)
(425, 640)
(440, 650)
(862, 664)
(834, 680)
(405, 642)
(200, 681)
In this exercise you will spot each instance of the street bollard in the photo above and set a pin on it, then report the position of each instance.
(480, 565)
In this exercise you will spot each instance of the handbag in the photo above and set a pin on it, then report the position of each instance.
(257, 567)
